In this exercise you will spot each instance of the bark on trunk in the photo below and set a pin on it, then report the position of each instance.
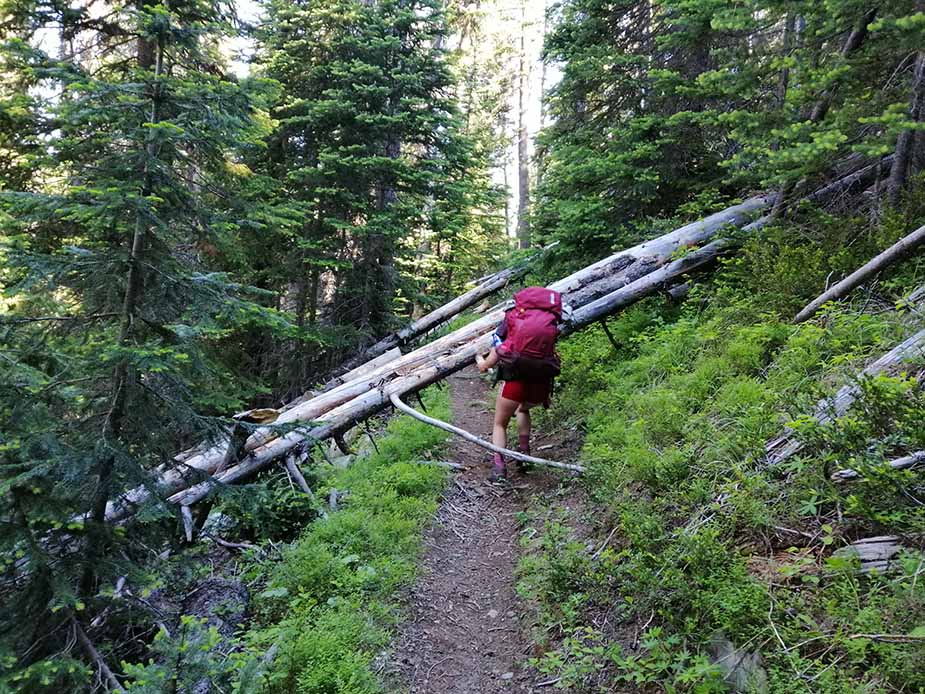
(906, 140)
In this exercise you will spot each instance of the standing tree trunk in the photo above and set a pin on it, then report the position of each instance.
(523, 157)
(507, 198)
(905, 143)
(148, 55)
(541, 154)
(783, 81)
(313, 297)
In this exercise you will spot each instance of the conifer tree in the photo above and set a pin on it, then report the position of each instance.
(372, 139)
(114, 322)
(670, 106)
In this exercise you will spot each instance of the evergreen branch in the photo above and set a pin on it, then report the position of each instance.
(44, 319)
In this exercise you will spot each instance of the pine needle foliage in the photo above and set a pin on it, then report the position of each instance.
(113, 320)
(672, 107)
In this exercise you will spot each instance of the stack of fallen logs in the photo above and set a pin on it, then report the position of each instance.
(592, 293)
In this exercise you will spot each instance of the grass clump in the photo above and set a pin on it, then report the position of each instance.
(329, 603)
(712, 545)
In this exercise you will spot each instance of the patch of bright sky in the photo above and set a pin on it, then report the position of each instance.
(240, 49)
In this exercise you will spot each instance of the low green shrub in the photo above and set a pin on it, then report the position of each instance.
(710, 540)
(328, 604)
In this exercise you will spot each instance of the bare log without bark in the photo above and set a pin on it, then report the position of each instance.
(874, 553)
(293, 468)
(201, 461)
(486, 287)
(827, 410)
(893, 254)
(472, 438)
(339, 408)
(904, 463)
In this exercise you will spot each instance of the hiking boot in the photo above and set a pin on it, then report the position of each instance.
(498, 469)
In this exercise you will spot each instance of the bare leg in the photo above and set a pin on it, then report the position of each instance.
(523, 420)
(523, 432)
(504, 410)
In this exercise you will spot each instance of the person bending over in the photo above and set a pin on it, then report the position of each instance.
(524, 351)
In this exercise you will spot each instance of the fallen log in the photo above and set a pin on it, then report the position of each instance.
(894, 253)
(200, 460)
(345, 405)
(829, 409)
(346, 415)
(619, 269)
(472, 438)
(106, 674)
(596, 280)
(485, 287)
(873, 553)
(904, 463)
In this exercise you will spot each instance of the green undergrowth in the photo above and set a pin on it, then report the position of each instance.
(329, 603)
(712, 549)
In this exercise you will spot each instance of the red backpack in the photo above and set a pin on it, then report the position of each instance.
(528, 352)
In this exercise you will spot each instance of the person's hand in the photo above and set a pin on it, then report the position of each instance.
(480, 363)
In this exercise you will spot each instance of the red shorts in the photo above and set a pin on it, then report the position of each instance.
(530, 393)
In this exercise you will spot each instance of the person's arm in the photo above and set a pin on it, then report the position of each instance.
(485, 363)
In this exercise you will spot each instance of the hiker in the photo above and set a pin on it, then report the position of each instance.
(524, 350)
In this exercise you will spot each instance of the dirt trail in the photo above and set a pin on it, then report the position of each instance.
(464, 633)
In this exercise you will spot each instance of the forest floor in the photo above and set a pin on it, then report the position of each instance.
(467, 630)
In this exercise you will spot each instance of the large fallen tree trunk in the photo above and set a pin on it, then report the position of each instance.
(594, 292)
(894, 253)
(830, 409)
(654, 281)
(202, 459)
(341, 407)
(347, 415)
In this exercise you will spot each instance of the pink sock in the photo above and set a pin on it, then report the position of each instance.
(498, 460)
(523, 442)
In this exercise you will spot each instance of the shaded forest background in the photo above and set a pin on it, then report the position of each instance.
(179, 243)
